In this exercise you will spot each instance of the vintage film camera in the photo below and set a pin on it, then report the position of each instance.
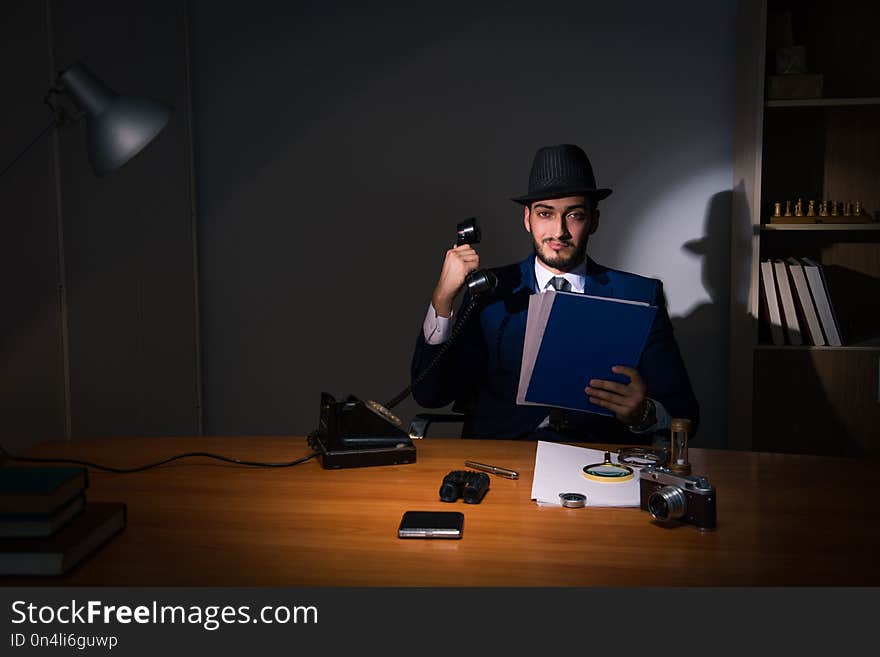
(471, 486)
(670, 497)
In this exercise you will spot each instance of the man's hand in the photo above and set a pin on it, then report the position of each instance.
(626, 401)
(460, 261)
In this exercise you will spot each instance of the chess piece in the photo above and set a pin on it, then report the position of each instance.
(799, 208)
(857, 211)
(777, 209)
(811, 208)
(787, 209)
(846, 211)
(823, 209)
(834, 212)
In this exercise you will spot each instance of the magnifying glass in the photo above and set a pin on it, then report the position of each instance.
(608, 472)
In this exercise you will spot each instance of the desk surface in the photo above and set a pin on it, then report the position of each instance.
(782, 520)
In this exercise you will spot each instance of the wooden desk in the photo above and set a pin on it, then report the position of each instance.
(782, 520)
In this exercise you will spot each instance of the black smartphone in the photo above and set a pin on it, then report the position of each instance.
(431, 524)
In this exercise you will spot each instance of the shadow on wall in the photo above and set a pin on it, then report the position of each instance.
(707, 368)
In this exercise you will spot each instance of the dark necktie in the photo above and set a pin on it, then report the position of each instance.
(556, 417)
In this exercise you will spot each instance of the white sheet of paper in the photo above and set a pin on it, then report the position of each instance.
(560, 469)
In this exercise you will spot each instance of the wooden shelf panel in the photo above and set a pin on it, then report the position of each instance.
(789, 347)
(819, 155)
(816, 401)
(823, 102)
(871, 226)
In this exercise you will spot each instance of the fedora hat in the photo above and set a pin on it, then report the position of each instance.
(559, 171)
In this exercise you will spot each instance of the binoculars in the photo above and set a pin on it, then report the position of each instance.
(471, 486)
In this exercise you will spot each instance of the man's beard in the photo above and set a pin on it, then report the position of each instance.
(562, 262)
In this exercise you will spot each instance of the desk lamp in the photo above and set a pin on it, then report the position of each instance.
(117, 127)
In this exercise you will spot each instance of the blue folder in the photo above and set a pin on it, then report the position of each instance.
(575, 338)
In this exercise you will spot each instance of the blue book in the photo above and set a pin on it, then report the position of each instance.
(573, 338)
(39, 489)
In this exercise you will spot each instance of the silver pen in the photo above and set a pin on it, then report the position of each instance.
(493, 469)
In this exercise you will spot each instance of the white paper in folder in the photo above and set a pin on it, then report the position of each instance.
(560, 469)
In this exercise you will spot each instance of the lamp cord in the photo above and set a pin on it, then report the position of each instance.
(107, 468)
(60, 117)
(36, 140)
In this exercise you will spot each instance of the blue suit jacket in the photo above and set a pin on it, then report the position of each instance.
(481, 371)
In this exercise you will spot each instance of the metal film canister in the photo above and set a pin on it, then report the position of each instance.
(573, 500)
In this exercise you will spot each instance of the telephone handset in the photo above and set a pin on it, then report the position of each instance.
(352, 432)
(478, 283)
(483, 280)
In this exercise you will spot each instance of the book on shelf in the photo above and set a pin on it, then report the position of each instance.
(572, 338)
(789, 310)
(855, 299)
(770, 302)
(38, 489)
(819, 289)
(805, 302)
(40, 525)
(60, 552)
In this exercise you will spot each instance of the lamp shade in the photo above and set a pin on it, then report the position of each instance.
(117, 127)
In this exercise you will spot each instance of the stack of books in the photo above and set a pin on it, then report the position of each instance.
(796, 303)
(46, 524)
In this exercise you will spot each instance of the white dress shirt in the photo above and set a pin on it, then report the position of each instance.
(436, 329)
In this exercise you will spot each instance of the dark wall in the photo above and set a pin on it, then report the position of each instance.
(99, 334)
(31, 359)
(128, 236)
(337, 147)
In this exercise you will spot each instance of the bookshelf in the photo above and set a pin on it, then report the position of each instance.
(807, 399)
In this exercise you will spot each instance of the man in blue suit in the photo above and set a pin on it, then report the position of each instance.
(481, 371)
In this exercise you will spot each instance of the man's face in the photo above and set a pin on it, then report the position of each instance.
(560, 229)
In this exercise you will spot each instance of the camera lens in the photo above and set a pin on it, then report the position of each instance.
(667, 504)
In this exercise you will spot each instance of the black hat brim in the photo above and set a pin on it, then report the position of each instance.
(595, 194)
